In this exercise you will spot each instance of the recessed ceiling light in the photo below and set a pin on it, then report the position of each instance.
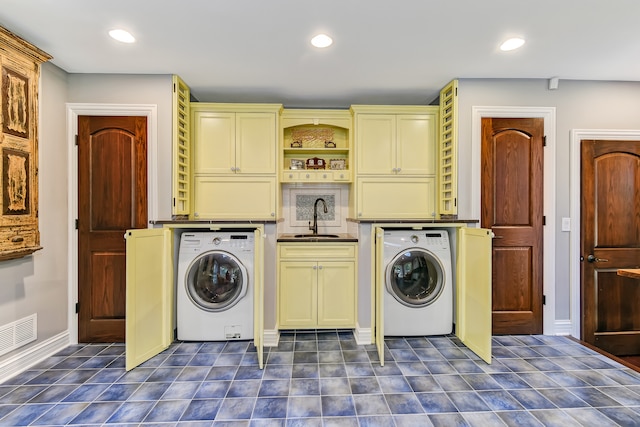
(512, 44)
(321, 40)
(122, 36)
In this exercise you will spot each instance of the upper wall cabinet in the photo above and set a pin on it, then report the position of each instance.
(234, 138)
(400, 141)
(234, 160)
(395, 152)
(20, 63)
(316, 146)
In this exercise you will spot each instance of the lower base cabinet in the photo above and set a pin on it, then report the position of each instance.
(316, 285)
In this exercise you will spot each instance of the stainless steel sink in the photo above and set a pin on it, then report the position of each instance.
(316, 236)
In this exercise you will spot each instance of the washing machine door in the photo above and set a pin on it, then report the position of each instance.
(216, 281)
(415, 277)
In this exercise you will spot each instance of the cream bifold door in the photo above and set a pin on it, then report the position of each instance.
(472, 289)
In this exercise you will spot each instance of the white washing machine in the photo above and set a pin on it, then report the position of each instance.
(214, 299)
(418, 299)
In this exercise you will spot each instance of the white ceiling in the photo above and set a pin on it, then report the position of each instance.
(384, 51)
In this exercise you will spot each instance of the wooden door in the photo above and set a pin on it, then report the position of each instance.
(512, 207)
(112, 197)
(610, 239)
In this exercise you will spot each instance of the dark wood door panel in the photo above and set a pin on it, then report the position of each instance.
(610, 239)
(512, 195)
(112, 197)
(512, 265)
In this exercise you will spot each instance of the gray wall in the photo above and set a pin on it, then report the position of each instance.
(579, 105)
(38, 283)
(135, 89)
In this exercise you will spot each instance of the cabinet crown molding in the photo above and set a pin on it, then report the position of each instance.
(12, 41)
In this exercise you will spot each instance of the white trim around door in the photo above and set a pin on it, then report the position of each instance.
(549, 116)
(578, 135)
(73, 111)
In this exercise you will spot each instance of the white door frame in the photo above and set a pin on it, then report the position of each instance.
(578, 135)
(549, 199)
(150, 111)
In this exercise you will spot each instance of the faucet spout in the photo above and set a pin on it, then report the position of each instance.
(314, 227)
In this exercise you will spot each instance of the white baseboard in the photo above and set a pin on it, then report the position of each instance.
(363, 336)
(270, 337)
(32, 355)
(563, 327)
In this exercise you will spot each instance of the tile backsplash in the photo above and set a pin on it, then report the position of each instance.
(304, 205)
(297, 208)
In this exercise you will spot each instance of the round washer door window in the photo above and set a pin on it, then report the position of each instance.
(415, 277)
(216, 281)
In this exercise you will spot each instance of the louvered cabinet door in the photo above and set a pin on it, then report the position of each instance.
(448, 150)
(181, 165)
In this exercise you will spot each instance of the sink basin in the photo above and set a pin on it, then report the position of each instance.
(316, 236)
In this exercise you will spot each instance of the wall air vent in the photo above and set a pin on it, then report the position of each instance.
(16, 334)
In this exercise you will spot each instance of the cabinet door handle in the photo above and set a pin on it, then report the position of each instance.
(394, 170)
(319, 267)
(233, 169)
(314, 267)
(399, 169)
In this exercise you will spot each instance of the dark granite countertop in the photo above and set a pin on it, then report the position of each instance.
(414, 221)
(340, 237)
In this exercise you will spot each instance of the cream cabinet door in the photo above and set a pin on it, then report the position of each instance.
(473, 291)
(375, 144)
(378, 292)
(236, 197)
(214, 142)
(336, 294)
(256, 147)
(416, 144)
(397, 198)
(149, 294)
(297, 294)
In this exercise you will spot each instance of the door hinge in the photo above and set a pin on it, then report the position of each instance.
(544, 300)
(455, 199)
(77, 307)
(174, 202)
(77, 223)
(76, 140)
(544, 141)
(544, 220)
(174, 88)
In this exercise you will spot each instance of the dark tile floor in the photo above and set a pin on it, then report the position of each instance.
(326, 379)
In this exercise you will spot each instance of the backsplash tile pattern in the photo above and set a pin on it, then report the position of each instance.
(304, 207)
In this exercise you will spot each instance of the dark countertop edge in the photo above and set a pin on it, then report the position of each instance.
(211, 221)
(344, 237)
(414, 221)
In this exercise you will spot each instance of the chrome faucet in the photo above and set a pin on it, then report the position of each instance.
(314, 227)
